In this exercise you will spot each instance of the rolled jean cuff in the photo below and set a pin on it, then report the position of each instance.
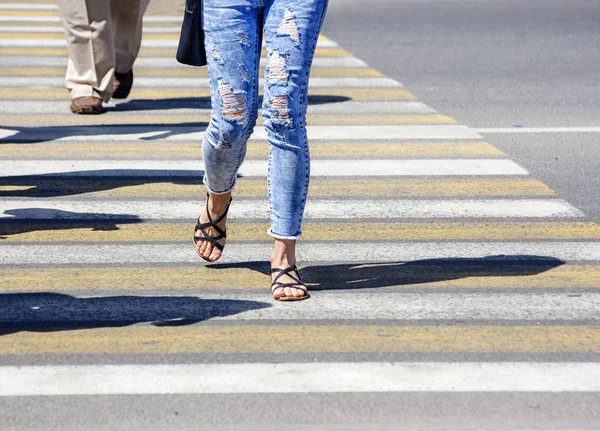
(289, 238)
(212, 192)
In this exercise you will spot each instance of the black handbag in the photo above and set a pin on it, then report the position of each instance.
(191, 50)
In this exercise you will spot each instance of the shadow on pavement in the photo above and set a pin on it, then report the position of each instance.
(199, 103)
(377, 275)
(49, 312)
(75, 183)
(147, 132)
(43, 219)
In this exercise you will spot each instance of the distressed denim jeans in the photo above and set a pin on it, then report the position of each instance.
(233, 40)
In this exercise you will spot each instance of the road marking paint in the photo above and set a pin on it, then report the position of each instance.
(256, 150)
(16, 18)
(463, 306)
(58, 30)
(8, 48)
(56, 36)
(248, 339)
(25, 6)
(176, 119)
(307, 378)
(31, 16)
(25, 15)
(154, 109)
(252, 187)
(325, 252)
(61, 209)
(189, 133)
(166, 62)
(195, 72)
(259, 168)
(185, 82)
(325, 95)
(538, 129)
(355, 231)
(450, 274)
(150, 40)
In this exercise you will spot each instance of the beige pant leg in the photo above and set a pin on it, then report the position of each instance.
(127, 18)
(89, 35)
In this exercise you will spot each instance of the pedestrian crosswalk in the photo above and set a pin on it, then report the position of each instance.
(435, 263)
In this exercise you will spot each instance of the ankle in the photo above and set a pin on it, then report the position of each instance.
(284, 253)
(218, 202)
(282, 262)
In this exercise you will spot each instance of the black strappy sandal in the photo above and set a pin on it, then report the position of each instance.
(297, 284)
(211, 223)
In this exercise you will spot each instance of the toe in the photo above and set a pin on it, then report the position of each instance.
(215, 254)
(278, 293)
(206, 248)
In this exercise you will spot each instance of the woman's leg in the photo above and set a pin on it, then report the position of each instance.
(232, 40)
(291, 33)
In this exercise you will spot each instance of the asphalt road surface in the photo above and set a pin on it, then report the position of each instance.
(496, 64)
(450, 245)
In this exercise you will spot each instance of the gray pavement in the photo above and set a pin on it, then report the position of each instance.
(413, 271)
(496, 63)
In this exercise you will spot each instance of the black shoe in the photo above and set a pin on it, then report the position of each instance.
(122, 83)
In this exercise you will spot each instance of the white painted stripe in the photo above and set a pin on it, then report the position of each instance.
(46, 19)
(146, 43)
(57, 29)
(160, 19)
(25, 6)
(379, 305)
(324, 377)
(184, 133)
(168, 62)
(66, 209)
(538, 129)
(308, 252)
(258, 168)
(7, 133)
(197, 82)
(202, 107)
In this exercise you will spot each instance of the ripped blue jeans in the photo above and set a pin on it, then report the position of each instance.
(233, 40)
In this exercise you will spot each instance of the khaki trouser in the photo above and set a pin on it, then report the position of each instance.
(103, 36)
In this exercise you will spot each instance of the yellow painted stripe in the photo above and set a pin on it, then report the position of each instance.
(360, 72)
(168, 232)
(200, 278)
(250, 187)
(150, 52)
(177, 119)
(172, 93)
(290, 338)
(258, 150)
(57, 35)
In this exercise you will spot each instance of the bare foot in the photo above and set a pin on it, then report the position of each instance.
(284, 256)
(218, 206)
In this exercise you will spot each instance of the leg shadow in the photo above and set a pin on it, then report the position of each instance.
(81, 182)
(43, 219)
(200, 103)
(377, 275)
(49, 312)
(146, 132)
